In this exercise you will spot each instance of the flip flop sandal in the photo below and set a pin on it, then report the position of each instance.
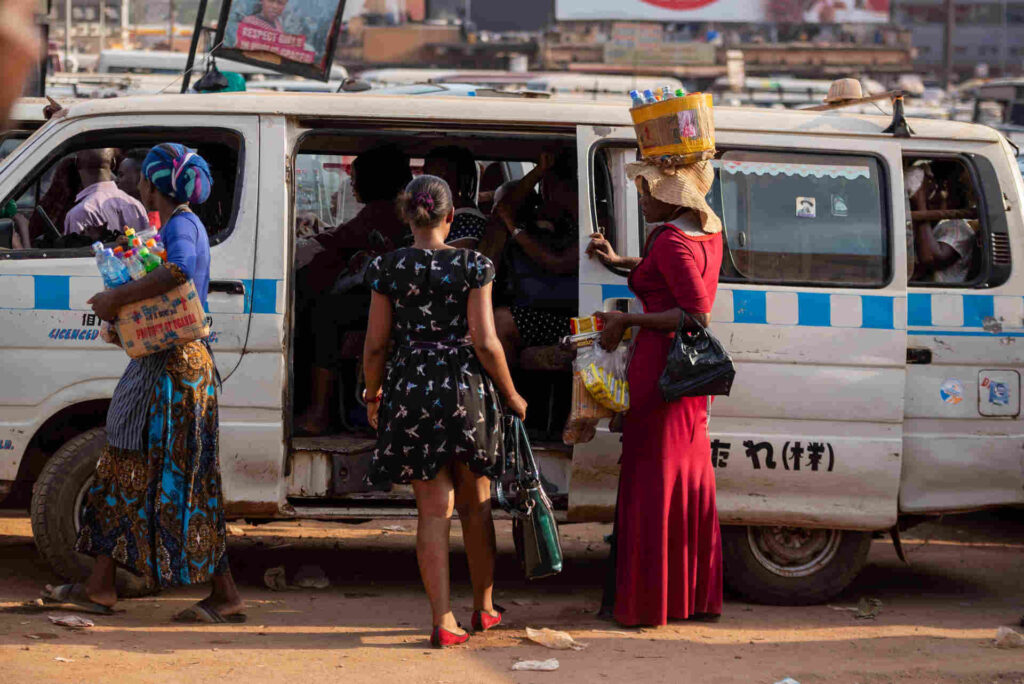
(203, 613)
(73, 597)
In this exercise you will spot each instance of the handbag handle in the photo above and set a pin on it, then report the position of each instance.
(522, 472)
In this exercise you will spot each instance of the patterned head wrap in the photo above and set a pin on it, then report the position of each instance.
(178, 172)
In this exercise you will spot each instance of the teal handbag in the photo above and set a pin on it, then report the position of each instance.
(520, 493)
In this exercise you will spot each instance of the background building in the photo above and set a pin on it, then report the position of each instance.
(988, 35)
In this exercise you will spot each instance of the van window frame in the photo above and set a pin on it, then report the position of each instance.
(884, 184)
(982, 281)
(592, 200)
(162, 133)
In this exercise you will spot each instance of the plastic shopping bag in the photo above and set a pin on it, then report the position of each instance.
(604, 375)
(584, 414)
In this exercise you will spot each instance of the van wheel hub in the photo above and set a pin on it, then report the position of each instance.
(79, 506)
(793, 551)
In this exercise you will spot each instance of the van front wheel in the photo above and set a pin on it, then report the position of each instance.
(57, 501)
(791, 566)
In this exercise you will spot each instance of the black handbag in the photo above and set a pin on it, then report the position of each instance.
(697, 365)
(520, 493)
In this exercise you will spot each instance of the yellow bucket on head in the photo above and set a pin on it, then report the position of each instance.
(681, 128)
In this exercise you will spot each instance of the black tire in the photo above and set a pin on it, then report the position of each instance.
(833, 559)
(55, 515)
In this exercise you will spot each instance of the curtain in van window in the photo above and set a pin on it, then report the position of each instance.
(802, 218)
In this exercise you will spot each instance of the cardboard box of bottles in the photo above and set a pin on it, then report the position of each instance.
(169, 320)
(682, 128)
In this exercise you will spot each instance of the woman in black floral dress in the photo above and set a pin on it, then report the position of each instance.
(435, 403)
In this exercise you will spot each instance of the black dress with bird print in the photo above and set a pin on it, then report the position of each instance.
(438, 404)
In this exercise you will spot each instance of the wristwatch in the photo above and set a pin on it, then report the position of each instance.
(515, 233)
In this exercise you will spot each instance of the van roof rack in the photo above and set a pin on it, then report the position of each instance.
(899, 128)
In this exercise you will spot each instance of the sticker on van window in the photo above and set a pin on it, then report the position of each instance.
(839, 207)
(806, 207)
(951, 391)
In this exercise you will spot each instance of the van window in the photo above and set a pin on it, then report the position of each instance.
(802, 219)
(952, 240)
(47, 194)
(323, 192)
(608, 182)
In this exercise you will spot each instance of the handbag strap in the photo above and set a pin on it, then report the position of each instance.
(517, 452)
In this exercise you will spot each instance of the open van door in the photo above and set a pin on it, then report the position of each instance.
(609, 203)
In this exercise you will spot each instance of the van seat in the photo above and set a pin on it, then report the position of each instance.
(551, 358)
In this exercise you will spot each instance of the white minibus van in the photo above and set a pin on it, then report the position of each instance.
(864, 399)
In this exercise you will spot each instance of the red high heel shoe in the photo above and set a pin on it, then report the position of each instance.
(483, 621)
(442, 638)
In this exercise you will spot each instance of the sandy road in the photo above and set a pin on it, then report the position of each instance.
(939, 616)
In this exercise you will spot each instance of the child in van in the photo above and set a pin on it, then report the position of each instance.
(435, 403)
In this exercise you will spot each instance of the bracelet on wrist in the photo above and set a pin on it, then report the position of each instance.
(374, 400)
(515, 233)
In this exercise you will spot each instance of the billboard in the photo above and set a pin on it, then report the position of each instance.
(748, 11)
(292, 36)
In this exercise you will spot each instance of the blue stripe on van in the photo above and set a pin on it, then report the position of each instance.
(53, 292)
(876, 312)
(815, 309)
(977, 308)
(919, 309)
(264, 296)
(749, 306)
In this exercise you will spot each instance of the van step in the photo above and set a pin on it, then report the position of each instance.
(344, 443)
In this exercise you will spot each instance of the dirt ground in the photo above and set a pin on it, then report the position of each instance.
(937, 622)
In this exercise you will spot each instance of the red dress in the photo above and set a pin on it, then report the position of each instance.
(669, 560)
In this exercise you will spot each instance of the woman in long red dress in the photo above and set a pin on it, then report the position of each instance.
(669, 547)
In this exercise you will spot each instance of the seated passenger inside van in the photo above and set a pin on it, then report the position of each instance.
(377, 176)
(541, 256)
(331, 298)
(946, 249)
(101, 206)
(458, 168)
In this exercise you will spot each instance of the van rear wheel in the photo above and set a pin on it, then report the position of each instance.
(791, 566)
(58, 498)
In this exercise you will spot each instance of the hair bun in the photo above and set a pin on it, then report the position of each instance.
(423, 199)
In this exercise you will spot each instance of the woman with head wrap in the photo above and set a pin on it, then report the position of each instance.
(668, 546)
(155, 507)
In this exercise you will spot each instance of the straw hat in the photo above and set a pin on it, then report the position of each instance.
(684, 186)
(844, 89)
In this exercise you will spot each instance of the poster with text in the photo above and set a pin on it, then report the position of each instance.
(752, 11)
(291, 36)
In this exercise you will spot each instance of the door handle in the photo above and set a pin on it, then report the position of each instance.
(231, 287)
(919, 355)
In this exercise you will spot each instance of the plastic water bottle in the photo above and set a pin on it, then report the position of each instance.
(649, 97)
(135, 268)
(111, 269)
(637, 100)
(150, 262)
(666, 93)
